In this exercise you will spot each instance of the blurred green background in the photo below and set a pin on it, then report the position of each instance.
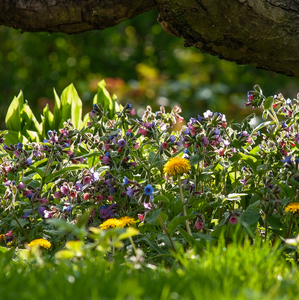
(141, 63)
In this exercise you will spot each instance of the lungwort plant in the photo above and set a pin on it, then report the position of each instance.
(118, 181)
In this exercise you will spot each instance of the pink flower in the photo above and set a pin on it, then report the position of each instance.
(57, 195)
(140, 217)
(132, 112)
(198, 225)
(73, 194)
(86, 196)
(142, 131)
(87, 180)
(100, 198)
(233, 220)
(43, 200)
(136, 146)
(9, 233)
(164, 145)
(110, 198)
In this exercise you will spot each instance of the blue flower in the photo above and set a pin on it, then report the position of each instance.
(284, 124)
(287, 159)
(148, 190)
(187, 131)
(20, 145)
(199, 118)
(288, 101)
(171, 139)
(129, 105)
(125, 181)
(28, 162)
(217, 131)
(107, 154)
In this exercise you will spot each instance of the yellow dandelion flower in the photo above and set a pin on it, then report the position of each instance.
(111, 223)
(127, 221)
(42, 242)
(292, 207)
(120, 223)
(177, 166)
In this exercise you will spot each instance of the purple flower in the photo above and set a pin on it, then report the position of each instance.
(187, 130)
(106, 160)
(64, 190)
(205, 141)
(108, 182)
(26, 214)
(21, 185)
(41, 210)
(288, 101)
(121, 143)
(106, 212)
(78, 186)
(199, 118)
(130, 192)
(112, 190)
(148, 190)
(7, 183)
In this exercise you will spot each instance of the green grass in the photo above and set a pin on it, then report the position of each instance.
(236, 272)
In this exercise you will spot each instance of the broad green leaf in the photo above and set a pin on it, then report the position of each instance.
(173, 225)
(66, 105)
(49, 119)
(65, 254)
(13, 115)
(57, 110)
(76, 108)
(268, 103)
(194, 159)
(64, 170)
(161, 198)
(250, 216)
(3, 249)
(249, 160)
(152, 216)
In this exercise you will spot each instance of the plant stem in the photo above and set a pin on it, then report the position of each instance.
(266, 227)
(25, 233)
(184, 207)
(133, 245)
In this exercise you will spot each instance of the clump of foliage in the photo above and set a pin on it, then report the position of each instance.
(126, 181)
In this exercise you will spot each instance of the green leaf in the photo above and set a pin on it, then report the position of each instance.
(65, 254)
(268, 103)
(172, 226)
(66, 105)
(250, 217)
(76, 108)
(194, 159)
(13, 115)
(64, 170)
(262, 125)
(3, 249)
(49, 119)
(57, 110)
(190, 239)
(152, 216)
(250, 161)
(161, 198)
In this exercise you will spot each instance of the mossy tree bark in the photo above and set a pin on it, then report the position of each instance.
(263, 33)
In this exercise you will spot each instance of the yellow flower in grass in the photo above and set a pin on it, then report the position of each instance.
(42, 242)
(177, 166)
(292, 207)
(120, 223)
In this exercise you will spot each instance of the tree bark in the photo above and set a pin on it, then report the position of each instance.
(69, 16)
(263, 33)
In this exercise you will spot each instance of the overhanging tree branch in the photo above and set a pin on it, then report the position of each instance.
(263, 33)
(69, 16)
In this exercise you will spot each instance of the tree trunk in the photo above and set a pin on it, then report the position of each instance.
(263, 33)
